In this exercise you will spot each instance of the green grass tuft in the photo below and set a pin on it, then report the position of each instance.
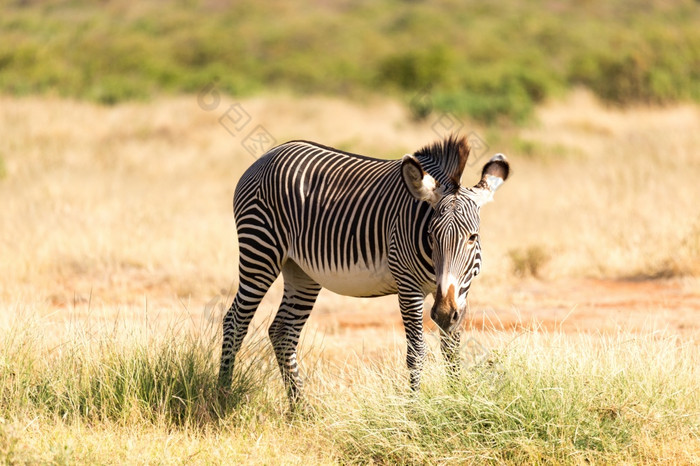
(169, 380)
(538, 398)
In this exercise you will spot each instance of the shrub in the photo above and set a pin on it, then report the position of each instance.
(490, 62)
(528, 261)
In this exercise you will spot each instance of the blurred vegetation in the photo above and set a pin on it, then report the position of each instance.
(489, 60)
(529, 261)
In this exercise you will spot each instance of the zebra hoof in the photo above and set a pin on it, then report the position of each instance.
(301, 411)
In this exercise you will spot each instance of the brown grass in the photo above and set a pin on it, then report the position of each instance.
(120, 217)
(127, 210)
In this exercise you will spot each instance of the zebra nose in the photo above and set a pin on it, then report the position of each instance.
(446, 317)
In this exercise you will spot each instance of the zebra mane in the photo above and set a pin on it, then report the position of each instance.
(445, 160)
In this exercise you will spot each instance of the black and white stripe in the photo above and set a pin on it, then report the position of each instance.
(358, 226)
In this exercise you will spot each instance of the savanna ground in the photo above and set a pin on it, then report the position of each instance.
(119, 256)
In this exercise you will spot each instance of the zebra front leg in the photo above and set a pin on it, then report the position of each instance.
(449, 346)
(300, 293)
(411, 304)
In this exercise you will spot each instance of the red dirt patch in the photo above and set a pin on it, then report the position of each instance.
(595, 306)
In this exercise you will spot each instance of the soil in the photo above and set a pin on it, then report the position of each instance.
(570, 306)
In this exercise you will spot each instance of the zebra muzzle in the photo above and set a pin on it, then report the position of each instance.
(445, 312)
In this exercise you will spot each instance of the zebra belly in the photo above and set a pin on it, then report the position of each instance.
(357, 281)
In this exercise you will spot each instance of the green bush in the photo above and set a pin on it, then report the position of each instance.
(664, 67)
(416, 70)
(490, 62)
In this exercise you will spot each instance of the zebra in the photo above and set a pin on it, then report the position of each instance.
(358, 226)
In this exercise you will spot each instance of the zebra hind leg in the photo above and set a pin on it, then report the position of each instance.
(251, 290)
(300, 293)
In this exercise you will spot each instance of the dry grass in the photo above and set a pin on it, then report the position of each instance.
(130, 206)
(621, 200)
(121, 217)
(112, 397)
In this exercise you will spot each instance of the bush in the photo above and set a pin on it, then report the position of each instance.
(512, 105)
(415, 70)
(528, 261)
(490, 62)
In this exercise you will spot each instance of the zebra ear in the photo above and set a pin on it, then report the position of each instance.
(420, 184)
(494, 173)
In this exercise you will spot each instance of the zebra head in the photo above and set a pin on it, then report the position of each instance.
(453, 230)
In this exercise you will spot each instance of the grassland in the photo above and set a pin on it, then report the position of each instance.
(541, 398)
(137, 197)
(118, 253)
(492, 61)
(119, 256)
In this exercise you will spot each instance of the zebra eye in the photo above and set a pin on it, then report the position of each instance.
(473, 238)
